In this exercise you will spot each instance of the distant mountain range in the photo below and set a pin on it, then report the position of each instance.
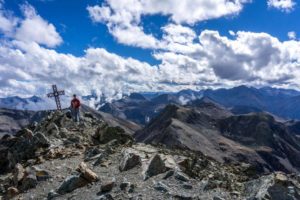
(33, 103)
(142, 107)
(12, 121)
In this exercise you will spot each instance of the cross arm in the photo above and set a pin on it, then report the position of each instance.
(50, 95)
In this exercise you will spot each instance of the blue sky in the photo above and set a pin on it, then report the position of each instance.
(160, 46)
(79, 32)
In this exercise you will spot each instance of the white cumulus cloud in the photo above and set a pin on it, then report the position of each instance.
(123, 18)
(7, 21)
(35, 29)
(31, 28)
(283, 5)
(292, 35)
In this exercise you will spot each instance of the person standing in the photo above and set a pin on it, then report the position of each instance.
(75, 105)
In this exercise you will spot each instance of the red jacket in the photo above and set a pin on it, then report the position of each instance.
(75, 103)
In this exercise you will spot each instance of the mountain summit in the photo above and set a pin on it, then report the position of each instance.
(99, 159)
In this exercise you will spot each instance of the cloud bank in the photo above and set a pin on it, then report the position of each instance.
(29, 64)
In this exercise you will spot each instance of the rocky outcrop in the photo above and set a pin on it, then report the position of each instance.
(106, 134)
(276, 186)
(72, 164)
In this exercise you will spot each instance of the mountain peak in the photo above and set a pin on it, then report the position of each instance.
(137, 96)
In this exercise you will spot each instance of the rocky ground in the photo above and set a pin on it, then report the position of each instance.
(59, 159)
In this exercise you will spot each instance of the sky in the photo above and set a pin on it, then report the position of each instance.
(114, 47)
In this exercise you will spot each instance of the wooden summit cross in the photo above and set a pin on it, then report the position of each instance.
(56, 95)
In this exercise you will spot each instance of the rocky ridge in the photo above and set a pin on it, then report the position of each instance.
(59, 159)
(206, 127)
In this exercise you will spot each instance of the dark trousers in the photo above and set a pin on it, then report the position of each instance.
(75, 114)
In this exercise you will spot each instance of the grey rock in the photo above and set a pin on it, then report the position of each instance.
(30, 181)
(71, 183)
(218, 198)
(182, 196)
(124, 185)
(129, 160)
(131, 188)
(99, 159)
(160, 186)
(187, 186)
(27, 133)
(105, 197)
(52, 194)
(107, 186)
(63, 132)
(181, 176)
(155, 166)
(275, 186)
(105, 134)
(169, 174)
(91, 153)
(52, 129)
(19, 173)
(41, 140)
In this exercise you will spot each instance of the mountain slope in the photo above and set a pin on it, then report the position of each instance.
(12, 121)
(128, 126)
(254, 138)
(138, 109)
(280, 102)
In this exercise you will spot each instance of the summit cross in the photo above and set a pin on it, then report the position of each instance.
(56, 95)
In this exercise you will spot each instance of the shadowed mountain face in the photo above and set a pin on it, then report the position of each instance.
(12, 121)
(206, 127)
(137, 108)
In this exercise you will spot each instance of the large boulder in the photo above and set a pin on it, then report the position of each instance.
(155, 166)
(17, 149)
(105, 134)
(129, 160)
(40, 140)
(278, 186)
